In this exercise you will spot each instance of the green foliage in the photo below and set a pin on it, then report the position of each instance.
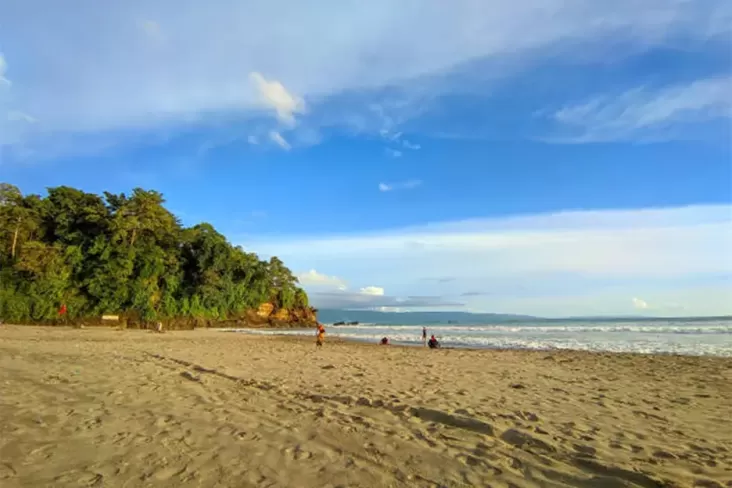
(124, 254)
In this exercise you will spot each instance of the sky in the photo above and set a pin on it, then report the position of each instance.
(544, 157)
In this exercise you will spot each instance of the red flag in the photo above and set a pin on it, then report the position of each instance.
(62, 310)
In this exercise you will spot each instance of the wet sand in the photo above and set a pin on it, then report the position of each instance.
(99, 407)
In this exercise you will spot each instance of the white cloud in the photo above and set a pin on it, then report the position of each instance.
(665, 308)
(411, 146)
(274, 95)
(313, 278)
(3, 71)
(277, 138)
(389, 309)
(117, 83)
(643, 113)
(404, 185)
(367, 297)
(253, 140)
(569, 263)
(394, 153)
(372, 290)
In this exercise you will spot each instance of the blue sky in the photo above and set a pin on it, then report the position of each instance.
(550, 157)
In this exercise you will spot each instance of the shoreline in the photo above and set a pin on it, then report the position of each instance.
(202, 408)
(260, 332)
(290, 333)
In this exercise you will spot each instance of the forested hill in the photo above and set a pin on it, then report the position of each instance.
(127, 255)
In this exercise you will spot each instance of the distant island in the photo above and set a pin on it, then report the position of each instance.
(79, 258)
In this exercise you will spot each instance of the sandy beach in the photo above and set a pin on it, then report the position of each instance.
(101, 407)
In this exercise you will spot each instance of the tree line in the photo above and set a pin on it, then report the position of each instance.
(125, 254)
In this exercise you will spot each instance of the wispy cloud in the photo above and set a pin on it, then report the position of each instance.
(404, 185)
(17, 116)
(473, 294)
(395, 138)
(114, 83)
(3, 71)
(359, 300)
(644, 113)
(387, 134)
(277, 138)
(253, 140)
(440, 279)
(554, 264)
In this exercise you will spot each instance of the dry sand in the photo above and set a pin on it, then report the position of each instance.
(98, 407)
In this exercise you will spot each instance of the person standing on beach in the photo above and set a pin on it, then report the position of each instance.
(320, 337)
(424, 336)
(62, 313)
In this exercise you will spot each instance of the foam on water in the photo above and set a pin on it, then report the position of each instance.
(691, 338)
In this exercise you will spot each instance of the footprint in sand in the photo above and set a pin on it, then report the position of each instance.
(702, 483)
(298, 453)
(168, 472)
(469, 460)
(661, 454)
(86, 479)
(163, 421)
(585, 450)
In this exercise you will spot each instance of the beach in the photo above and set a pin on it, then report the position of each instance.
(105, 407)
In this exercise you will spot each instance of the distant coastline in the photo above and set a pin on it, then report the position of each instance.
(456, 318)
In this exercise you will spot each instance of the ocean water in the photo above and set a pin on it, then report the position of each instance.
(692, 337)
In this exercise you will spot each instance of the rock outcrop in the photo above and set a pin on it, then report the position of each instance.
(265, 316)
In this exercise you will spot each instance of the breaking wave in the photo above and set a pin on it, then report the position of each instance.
(690, 338)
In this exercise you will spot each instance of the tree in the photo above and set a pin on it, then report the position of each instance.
(142, 214)
(127, 255)
(12, 213)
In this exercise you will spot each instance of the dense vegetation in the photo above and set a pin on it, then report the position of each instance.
(126, 255)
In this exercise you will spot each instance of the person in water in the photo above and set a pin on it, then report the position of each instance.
(384, 341)
(320, 337)
(424, 336)
(432, 343)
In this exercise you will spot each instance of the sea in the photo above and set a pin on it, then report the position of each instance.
(694, 336)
